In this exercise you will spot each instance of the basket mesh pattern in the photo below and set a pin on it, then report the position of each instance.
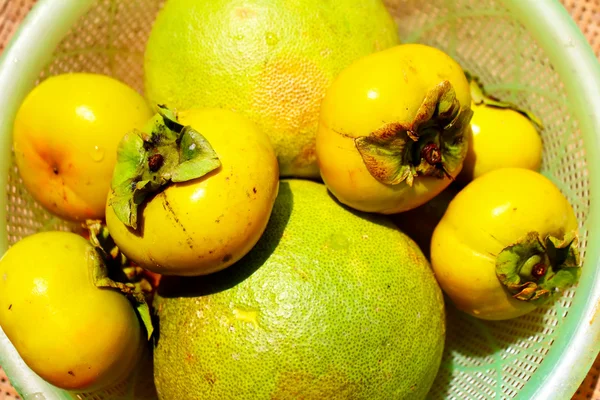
(488, 359)
(482, 359)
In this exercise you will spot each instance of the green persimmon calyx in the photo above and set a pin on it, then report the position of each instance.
(535, 268)
(147, 161)
(480, 97)
(110, 269)
(434, 143)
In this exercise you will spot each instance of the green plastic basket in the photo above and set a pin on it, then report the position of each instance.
(526, 51)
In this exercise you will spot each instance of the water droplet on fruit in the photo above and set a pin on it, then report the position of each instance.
(97, 154)
(272, 39)
(246, 315)
(34, 396)
(338, 241)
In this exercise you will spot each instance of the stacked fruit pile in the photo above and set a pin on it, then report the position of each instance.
(281, 214)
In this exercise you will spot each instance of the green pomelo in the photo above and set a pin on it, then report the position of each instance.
(330, 304)
(271, 60)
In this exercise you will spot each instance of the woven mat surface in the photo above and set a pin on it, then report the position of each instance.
(585, 12)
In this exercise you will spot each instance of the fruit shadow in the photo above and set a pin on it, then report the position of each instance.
(143, 380)
(175, 286)
(379, 219)
(474, 346)
(144, 200)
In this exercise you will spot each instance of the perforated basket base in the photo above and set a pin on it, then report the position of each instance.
(482, 359)
(7, 392)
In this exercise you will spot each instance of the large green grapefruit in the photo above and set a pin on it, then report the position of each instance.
(271, 60)
(330, 304)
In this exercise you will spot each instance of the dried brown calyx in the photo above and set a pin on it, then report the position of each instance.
(433, 144)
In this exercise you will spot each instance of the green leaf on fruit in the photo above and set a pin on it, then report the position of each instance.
(164, 152)
(110, 269)
(434, 143)
(535, 268)
(480, 96)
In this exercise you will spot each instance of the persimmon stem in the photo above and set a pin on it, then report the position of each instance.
(432, 154)
(539, 270)
(155, 161)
